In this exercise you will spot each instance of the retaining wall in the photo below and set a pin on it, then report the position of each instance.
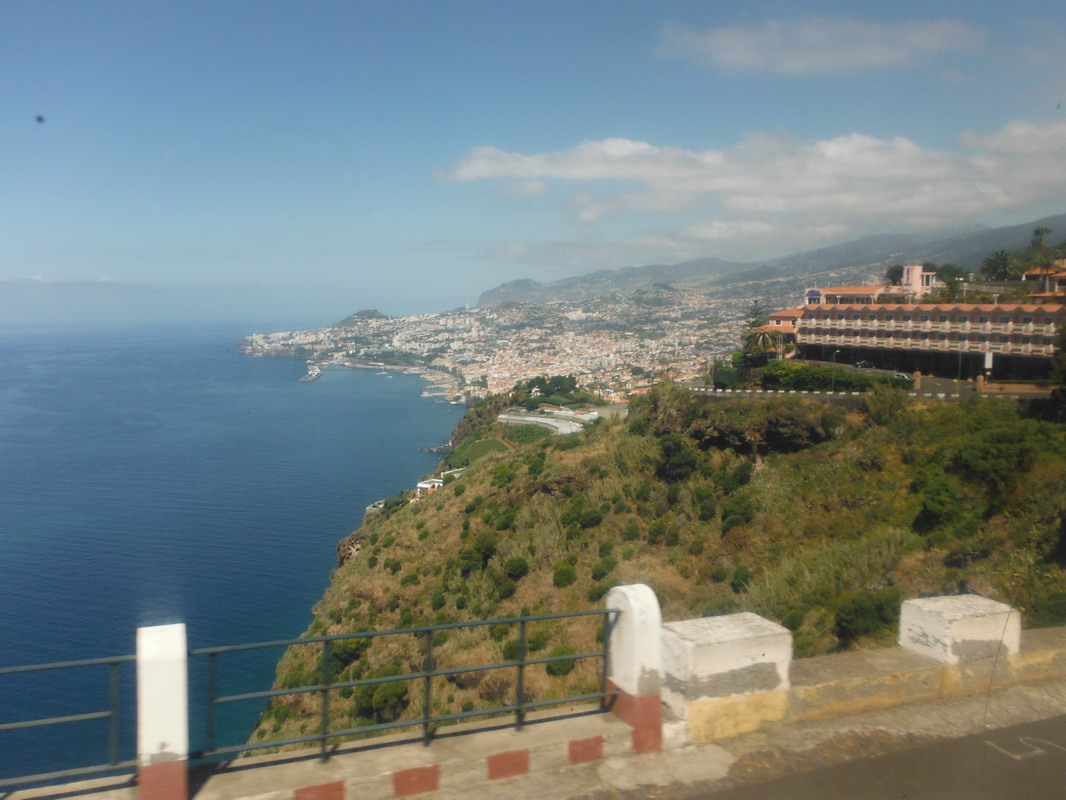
(687, 682)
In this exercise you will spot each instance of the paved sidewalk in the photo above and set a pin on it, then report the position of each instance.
(781, 749)
(689, 772)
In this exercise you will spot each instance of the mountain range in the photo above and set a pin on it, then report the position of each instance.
(966, 246)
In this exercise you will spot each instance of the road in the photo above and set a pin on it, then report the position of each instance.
(1024, 762)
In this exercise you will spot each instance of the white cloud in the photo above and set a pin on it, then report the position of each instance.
(589, 208)
(527, 187)
(726, 229)
(817, 44)
(772, 194)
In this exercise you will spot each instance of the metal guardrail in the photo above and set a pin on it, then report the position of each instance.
(111, 714)
(427, 721)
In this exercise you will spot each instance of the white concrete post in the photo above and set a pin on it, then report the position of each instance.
(964, 627)
(726, 675)
(634, 649)
(162, 713)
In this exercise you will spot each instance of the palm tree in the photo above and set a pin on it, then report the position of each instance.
(998, 266)
(1039, 234)
(760, 342)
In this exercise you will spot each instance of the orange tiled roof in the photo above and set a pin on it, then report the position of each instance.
(940, 307)
(852, 289)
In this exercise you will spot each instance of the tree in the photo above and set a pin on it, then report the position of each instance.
(757, 317)
(678, 459)
(759, 343)
(1039, 234)
(999, 266)
(894, 275)
(952, 276)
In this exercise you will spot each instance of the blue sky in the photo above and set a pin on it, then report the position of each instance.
(315, 158)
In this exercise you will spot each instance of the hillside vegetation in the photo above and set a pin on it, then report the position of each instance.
(821, 515)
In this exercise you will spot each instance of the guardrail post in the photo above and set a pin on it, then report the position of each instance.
(635, 663)
(162, 713)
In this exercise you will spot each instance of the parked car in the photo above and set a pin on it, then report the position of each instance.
(864, 364)
(904, 375)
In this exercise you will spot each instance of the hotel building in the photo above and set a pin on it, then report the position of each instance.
(1002, 340)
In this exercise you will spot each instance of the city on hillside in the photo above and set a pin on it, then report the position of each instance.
(999, 323)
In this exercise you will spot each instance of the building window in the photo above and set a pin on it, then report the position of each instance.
(925, 317)
(982, 320)
(906, 317)
(888, 317)
(1027, 320)
(942, 318)
(1004, 320)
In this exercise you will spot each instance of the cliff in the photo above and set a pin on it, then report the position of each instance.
(820, 515)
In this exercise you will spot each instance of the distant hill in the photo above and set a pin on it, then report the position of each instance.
(964, 245)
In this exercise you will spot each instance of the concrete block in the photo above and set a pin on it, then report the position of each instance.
(956, 629)
(716, 657)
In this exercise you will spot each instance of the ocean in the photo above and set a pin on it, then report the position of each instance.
(156, 474)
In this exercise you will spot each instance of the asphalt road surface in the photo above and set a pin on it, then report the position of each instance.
(1025, 762)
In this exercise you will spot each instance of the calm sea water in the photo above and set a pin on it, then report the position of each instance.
(156, 475)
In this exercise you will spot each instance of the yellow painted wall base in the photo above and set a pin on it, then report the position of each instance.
(712, 718)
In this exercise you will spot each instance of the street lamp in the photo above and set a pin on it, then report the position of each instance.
(833, 376)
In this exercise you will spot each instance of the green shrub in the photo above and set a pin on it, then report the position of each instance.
(344, 652)
(597, 591)
(511, 650)
(558, 668)
(603, 568)
(538, 640)
(516, 568)
(383, 702)
(499, 630)
(741, 578)
(656, 531)
(590, 518)
(706, 503)
(865, 612)
(505, 588)
(631, 531)
(437, 602)
(564, 576)
(1047, 609)
(678, 459)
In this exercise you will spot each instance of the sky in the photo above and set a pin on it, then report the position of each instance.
(309, 159)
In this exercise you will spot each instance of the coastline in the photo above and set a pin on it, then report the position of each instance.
(441, 384)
